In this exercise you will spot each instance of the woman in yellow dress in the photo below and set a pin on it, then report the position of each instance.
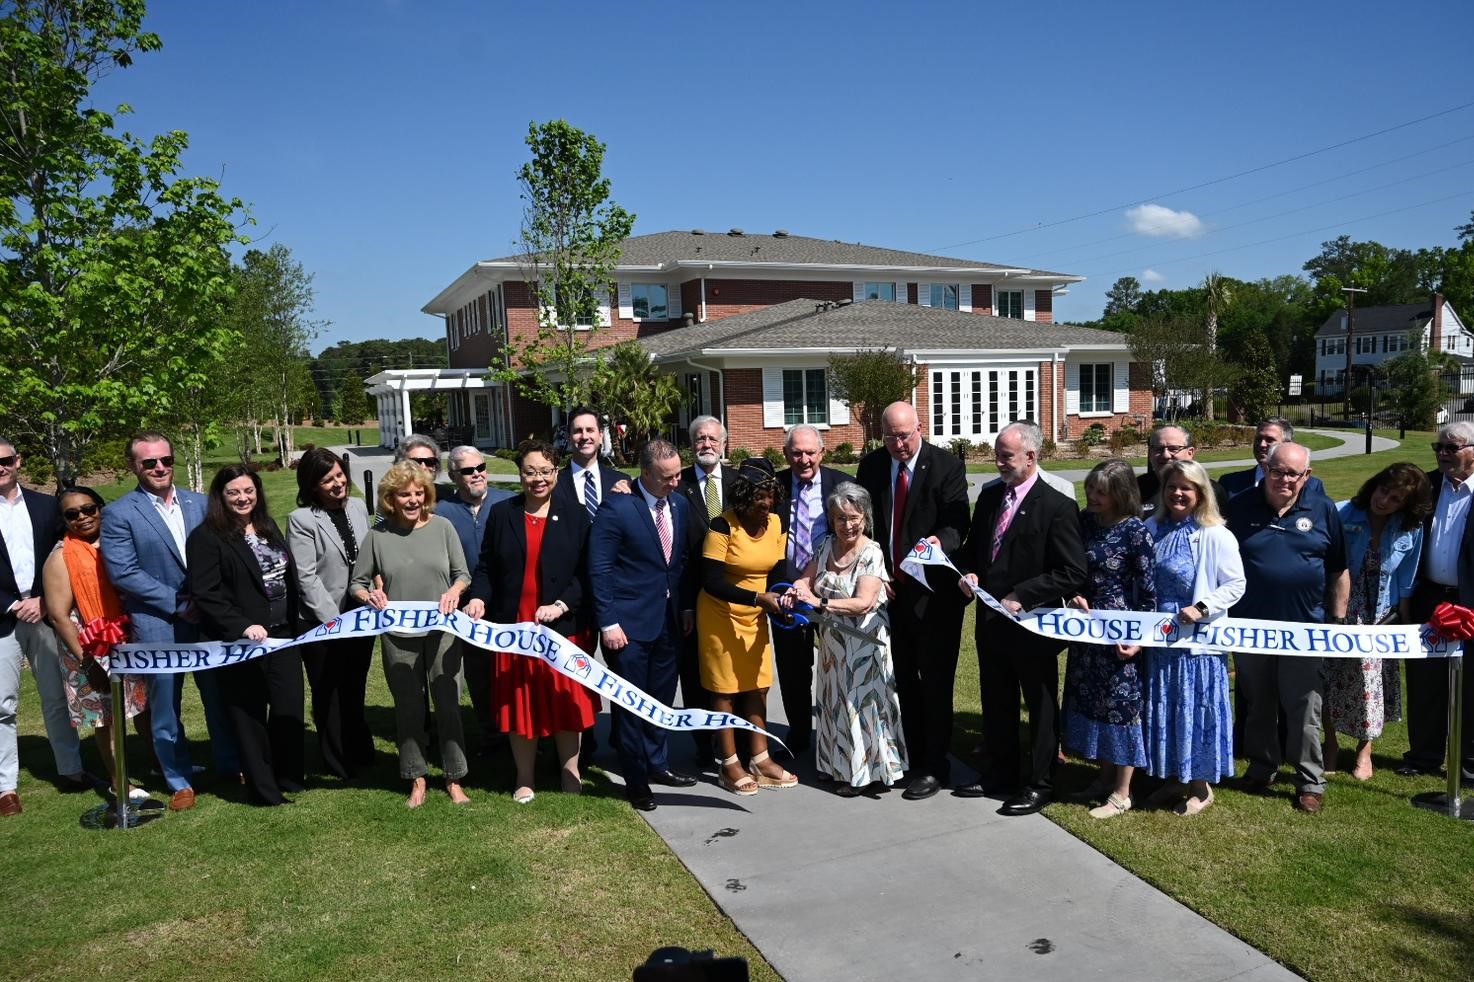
(744, 545)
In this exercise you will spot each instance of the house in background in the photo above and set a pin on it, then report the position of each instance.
(672, 291)
(1385, 332)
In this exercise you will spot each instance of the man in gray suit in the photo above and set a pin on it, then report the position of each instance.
(142, 545)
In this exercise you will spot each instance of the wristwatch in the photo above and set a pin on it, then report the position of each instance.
(1202, 608)
(824, 603)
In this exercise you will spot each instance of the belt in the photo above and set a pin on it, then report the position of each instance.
(1439, 590)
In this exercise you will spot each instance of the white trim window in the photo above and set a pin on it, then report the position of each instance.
(880, 291)
(650, 301)
(977, 402)
(1009, 303)
(946, 296)
(1096, 387)
(805, 396)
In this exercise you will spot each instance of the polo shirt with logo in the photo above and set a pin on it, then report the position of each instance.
(1290, 559)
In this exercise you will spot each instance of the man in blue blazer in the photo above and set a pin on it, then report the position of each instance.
(1267, 434)
(644, 602)
(142, 544)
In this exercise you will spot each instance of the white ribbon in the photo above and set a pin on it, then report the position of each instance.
(414, 620)
(1226, 634)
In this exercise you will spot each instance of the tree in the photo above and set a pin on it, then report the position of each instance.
(1255, 394)
(868, 381)
(1123, 297)
(352, 401)
(1217, 297)
(633, 392)
(570, 242)
(1410, 389)
(113, 268)
(1176, 348)
(1466, 232)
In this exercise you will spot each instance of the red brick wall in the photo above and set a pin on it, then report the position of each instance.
(727, 297)
(1044, 306)
(1140, 412)
(745, 417)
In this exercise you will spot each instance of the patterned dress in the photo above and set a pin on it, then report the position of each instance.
(859, 738)
(1103, 694)
(1188, 719)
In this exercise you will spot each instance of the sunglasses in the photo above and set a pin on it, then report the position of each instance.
(1437, 448)
(8, 461)
(149, 463)
(468, 471)
(430, 462)
(72, 514)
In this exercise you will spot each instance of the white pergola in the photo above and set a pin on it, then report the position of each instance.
(391, 391)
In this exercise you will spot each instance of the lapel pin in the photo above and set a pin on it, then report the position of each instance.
(555, 518)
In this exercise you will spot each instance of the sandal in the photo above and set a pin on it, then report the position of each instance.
(744, 785)
(764, 781)
(1114, 805)
(523, 796)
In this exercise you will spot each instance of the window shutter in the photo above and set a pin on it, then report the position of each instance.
(626, 302)
(859, 291)
(673, 302)
(839, 413)
(901, 295)
(1072, 389)
(772, 398)
(603, 316)
(964, 297)
(923, 294)
(1121, 398)
(1028, 305)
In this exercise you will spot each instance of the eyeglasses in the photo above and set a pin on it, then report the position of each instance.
(433, 463)
(1280, 474)
(234, 494)
(1437, 448)
(72, 514)
(149, 463)
(468, 471)
(544, 473)
(1170, 450)
(898, 437)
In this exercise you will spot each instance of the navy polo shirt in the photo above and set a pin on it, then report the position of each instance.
(1289, 559)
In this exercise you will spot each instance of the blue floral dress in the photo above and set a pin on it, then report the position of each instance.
(1188, 717)
(1103, 693)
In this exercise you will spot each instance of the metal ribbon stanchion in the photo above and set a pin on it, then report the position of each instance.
(120, 813)
(1451, 802)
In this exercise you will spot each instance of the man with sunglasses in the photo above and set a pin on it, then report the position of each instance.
(1446, 574)
(29, 528)
(142, 545)
(466, 510)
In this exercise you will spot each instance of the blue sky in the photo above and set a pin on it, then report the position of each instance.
(380, 140)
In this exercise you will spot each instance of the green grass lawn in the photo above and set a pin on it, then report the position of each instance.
(346, 882)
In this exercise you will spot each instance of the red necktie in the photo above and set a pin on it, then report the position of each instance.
(900, 548)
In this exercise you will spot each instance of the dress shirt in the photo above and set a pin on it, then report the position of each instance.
(577, 469)
(172, 512)
(19, 535)
(670, 517)
(1447, 532)
(1019, 492)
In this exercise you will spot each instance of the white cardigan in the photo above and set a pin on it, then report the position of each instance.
(1218, 574)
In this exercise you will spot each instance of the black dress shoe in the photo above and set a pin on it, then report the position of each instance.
(848, 791)
(922, 787)
(642, 802)
(1026, 802)
(671, 779)
(1413, 770)
(974, 790)
(289, 786)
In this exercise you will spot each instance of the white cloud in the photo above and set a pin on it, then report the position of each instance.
(1164, 223)
(1151, 277)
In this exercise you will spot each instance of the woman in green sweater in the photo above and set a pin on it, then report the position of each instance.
(416, 555)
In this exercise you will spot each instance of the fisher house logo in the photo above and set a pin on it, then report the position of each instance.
(581, 665)
(334, 626)
(1168, 630)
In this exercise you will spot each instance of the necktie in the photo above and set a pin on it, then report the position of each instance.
(590, 494)
(803, 528)
(662, 527)
(713, 497)
(900, 548)
(1005, 516)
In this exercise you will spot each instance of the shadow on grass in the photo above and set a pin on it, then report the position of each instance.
(1422, 929)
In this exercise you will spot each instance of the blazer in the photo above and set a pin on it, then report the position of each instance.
(608, 477)
(46, 529)
(628, 572)
(1240, 481)
(690, 489)
(146, 568)
(1218, 571)
(227, 586)
(936, 504)
(321, 562)
(1041, 559)
(560, 568)
(829, 479)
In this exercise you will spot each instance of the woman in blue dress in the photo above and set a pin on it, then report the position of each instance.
(1384, 540)
(1102, 716)
(1188, 718)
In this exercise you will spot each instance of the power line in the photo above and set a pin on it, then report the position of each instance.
(1217, 180)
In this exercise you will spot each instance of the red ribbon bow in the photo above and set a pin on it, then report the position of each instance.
(98, 635)
(1452, 622)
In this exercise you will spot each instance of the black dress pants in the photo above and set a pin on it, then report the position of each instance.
(793, 654)
(338, 671)
(263, 700)
(1010, 661)
(924, 650)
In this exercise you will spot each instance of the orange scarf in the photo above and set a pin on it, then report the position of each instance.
(103, 622)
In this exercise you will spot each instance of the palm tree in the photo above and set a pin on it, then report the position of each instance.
(630, 388)
(1217, 297)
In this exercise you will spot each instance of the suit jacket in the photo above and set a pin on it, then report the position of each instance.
(46, 528)
(321, 562)
(1240, 481)
(829, 479)
(690, 489)
(608, 477)
(1427, 594)
(145, 566)
(936, 504)
(628, 572)
(560, 568)
(227, 586)
(1042, 556)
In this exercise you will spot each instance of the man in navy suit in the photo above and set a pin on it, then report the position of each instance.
(808, 484)
(29, 528)
(1267, 434)
(142, 544)
(644, 604)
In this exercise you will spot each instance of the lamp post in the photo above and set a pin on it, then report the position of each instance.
(1351, 292)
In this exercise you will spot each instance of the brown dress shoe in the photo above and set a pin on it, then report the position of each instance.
(9, 804)
(182, 800)
(1310, 802)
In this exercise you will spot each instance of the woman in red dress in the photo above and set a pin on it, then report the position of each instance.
(531, 569)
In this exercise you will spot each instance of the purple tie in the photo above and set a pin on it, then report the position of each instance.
(803, 528)
(1005, 516)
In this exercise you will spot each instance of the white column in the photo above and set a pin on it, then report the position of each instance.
(404, 418)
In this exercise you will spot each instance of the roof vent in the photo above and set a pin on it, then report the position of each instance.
(698, 231)
(735, 231)
(845, 302)
(782, 233)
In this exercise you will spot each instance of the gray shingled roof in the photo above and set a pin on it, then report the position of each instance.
(661, 248)
(1389, 317)
(870, 324)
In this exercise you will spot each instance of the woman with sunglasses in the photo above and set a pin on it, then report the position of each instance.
(88, 618)
(420, 449)
(245, 586)
(323, 536)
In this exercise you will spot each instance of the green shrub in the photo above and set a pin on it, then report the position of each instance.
(1047, 449)
(960, 446)
(1083, 445)
(983, 450)
(1126, 436)
(1094, 433)
(775, 457)
(843, 454)
(688, 456)
(736, 457)
(505, 453)
(873, 445)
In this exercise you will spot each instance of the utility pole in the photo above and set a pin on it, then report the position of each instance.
(1351, 292)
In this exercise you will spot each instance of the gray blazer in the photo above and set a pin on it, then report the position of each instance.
(322, 564)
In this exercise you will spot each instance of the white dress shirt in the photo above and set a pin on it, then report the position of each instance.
(1447, 532)
(576, 471)
(172, 512)
(20, 539)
